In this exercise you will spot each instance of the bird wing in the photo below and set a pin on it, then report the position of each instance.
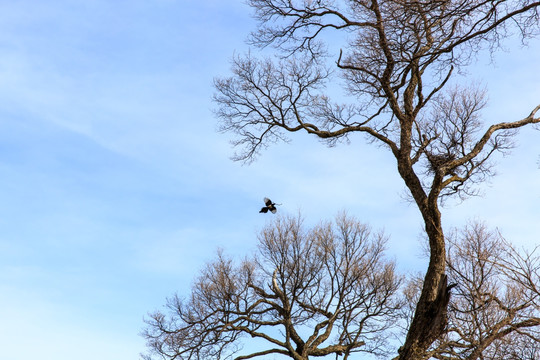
(267, 201)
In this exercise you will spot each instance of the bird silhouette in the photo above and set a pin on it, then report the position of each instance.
(269, 206)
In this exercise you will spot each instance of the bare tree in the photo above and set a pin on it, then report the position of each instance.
(305, 293)
(400, 57)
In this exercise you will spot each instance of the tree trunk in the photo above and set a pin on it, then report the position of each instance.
(428, 322)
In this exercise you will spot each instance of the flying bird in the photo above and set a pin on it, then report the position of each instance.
(269, 206)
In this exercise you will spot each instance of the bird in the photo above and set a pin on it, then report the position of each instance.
(269, 206)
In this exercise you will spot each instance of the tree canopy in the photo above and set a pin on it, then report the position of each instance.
(326, 290)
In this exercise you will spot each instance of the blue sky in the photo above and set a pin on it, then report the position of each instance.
(115, 187)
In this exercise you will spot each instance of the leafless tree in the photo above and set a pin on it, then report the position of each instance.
(399, 59)
(305, 293)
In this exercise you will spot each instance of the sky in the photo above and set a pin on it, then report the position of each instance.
(116, 188)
